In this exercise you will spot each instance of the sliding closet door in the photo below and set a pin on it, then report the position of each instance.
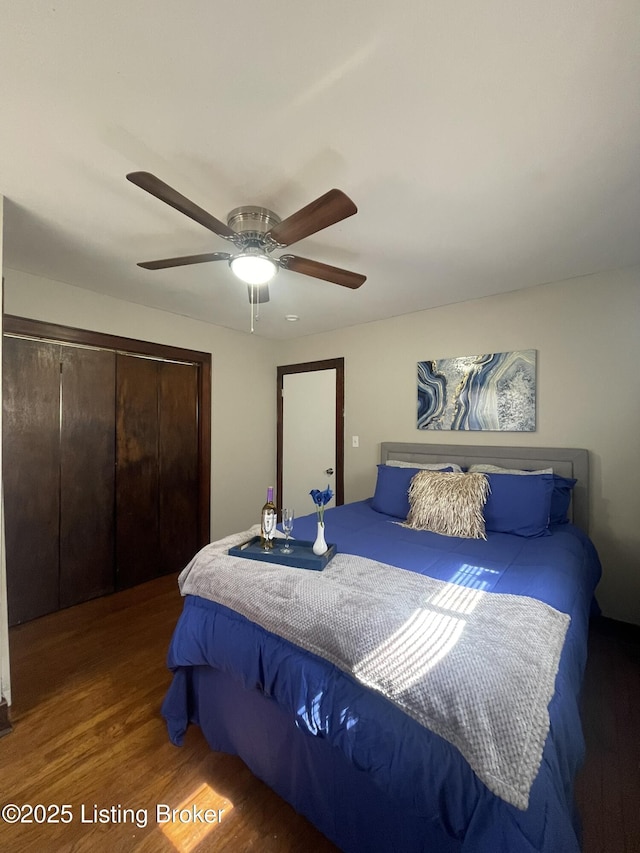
(106, 463)
(31, 470)
(137, 551)
(156, 468)
(87, 475)
(177, 464)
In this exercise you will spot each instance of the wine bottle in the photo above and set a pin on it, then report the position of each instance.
(268, 521)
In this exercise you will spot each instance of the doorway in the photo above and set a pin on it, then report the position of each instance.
(310, 432)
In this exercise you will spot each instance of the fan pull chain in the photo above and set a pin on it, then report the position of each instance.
(255, 304)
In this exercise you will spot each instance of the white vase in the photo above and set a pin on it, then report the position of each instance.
(320, 546)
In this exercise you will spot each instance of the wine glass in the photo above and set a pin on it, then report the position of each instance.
(268, 526)
(287, 526)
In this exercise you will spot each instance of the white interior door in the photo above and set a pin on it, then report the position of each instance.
(308, 437)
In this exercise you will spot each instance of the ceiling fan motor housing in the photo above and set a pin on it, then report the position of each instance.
(252, 222)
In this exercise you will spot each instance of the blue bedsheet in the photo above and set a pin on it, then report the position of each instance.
(231, 675)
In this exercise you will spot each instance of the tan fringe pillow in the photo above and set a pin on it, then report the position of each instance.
(448, 503)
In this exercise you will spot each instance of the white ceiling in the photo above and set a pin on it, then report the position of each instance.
(489, 146)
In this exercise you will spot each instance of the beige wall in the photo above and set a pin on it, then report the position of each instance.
(243, 392)
(586, 334)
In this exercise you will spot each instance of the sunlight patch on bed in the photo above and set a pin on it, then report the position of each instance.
(411, 651)
(459, 599)
(195, 817)
(474, 577)
(310, 718)
(347, 718)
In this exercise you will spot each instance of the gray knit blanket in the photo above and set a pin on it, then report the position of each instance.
(476, 668)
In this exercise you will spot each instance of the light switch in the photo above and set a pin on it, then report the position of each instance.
(355, 441)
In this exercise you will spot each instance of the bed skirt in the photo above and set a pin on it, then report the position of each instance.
(315, 778)
(306, 771)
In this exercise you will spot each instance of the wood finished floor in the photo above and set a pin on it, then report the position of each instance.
(87, 687)
(608, 786)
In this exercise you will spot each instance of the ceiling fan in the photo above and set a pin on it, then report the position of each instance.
(256, 233)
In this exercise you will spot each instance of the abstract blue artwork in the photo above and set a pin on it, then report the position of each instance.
(493, 391)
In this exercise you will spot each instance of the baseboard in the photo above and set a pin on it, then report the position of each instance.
(625, 631)
(5, 722)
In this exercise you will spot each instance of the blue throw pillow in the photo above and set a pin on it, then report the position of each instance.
(392, 490)
(561, 498)
(519, 505)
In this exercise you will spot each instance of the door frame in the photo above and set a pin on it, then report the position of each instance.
(336, 364)
(23, 326)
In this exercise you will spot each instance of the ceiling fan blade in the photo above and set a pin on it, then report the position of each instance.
(330, 208)
(183, 262)
(162, 191)
(323, 271)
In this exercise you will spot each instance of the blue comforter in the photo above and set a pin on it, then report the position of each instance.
(425, 778)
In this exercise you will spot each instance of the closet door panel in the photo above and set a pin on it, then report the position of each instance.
(87, 459)
(31, 470)
(137, 551)
(178, 465)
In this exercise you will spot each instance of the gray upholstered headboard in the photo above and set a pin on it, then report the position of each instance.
(566, 461)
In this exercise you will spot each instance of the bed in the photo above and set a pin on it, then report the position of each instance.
(382, 762)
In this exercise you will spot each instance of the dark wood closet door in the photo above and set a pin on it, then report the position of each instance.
(106, 463)
(31, 470)
(178, 464)
(87, 474)
(157, 486)
(137, 551)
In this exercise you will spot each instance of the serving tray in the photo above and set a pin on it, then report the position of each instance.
(301, 557)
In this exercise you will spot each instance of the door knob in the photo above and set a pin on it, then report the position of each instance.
(329, 471)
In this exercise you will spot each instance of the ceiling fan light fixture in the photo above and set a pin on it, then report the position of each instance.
(253, 267)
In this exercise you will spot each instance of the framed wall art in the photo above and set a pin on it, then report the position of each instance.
(492, 391)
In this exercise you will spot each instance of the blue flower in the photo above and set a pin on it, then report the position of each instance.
(320, 499)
